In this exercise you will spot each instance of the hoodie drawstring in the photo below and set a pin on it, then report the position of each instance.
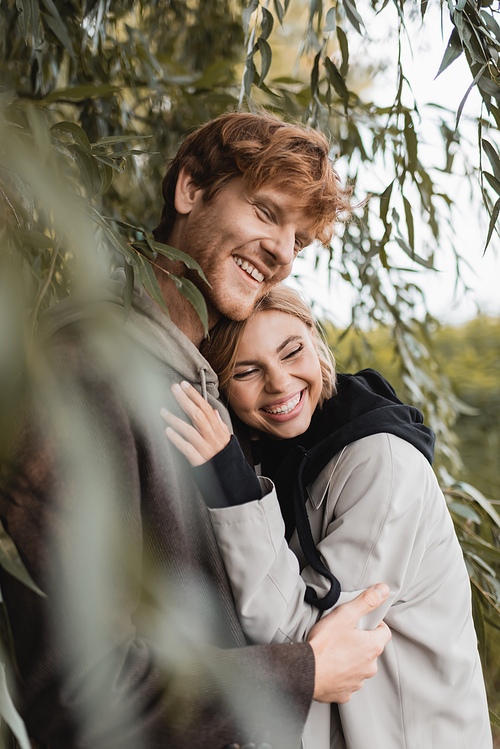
(203, 378)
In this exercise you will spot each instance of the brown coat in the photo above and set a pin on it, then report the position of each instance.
(138, 643)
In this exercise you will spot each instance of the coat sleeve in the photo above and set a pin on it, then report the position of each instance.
(370, 524)
(98, 667)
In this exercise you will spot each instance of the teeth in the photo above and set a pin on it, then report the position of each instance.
(285, 408)
(248, 268)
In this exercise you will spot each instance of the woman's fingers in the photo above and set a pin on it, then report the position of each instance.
(186, 448)
(208, 434)
(204, 418)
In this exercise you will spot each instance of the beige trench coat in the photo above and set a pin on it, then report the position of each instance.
(377, 515)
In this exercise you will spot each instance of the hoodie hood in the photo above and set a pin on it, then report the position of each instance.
(146, 325)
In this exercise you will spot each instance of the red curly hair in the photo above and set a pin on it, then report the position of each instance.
(262, 149)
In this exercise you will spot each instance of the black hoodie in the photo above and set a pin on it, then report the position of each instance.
(365, 404)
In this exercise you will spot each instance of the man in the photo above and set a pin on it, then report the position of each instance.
(138, 643)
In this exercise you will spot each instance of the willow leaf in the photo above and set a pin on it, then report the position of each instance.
(279, 11)
(9, 713)
(150, 282)
(174, 254)
(344, 48)
(409, 222)
(266, 57)
(267, 24)
(75, 130)
(13, 564)
(493, 220)
(195, 297)
(385, 199)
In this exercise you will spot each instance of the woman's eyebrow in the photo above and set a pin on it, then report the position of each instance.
(287, 341)
(252, 362)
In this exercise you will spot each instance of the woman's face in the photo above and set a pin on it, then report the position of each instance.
(276, 383)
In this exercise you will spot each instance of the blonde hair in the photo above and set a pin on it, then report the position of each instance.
(221, 348)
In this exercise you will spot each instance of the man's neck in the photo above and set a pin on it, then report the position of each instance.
(182, 312)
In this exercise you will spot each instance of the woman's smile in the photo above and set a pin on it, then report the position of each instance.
(286, 409)
(276, 383)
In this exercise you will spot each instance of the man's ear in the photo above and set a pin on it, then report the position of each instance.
(187, 193)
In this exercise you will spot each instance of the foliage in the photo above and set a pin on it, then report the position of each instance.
(96, 94)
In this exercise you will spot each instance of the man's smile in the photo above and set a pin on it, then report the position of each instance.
(249, 268)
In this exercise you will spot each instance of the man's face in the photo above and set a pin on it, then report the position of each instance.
(245, 243)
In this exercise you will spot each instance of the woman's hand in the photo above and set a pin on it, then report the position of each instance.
(208, 434)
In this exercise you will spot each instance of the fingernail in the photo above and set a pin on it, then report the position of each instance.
(164, 412)
(185, 385)
(382, 590)
(176, 388)
(169, 431)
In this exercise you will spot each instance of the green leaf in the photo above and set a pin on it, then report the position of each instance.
(80, 93)
(128, 290)
(106, 180)
(344, 48)
(24, 10)
(119, 139)
(481, 500)
(9, 713)
(315, 75)
(13, 564)
(492, 156)
(331, 19)
(57, 26)
(150, 282)
(279, 11)
(249, 75)
(247, 14)
(464, 511)
(266, 58)
(413, 255)
(105, 160)
(337, 81)
(73, 129)
(267, 24)
(495, 184)
(462, 103)
(194, 296)
(478, 620)
(411, 143)
(385, 199)
(494, 719)
(452, 51)
(493, 220)
(35, 239)
(174, 254)
(352, 14)
(490, 24)
(409, 223)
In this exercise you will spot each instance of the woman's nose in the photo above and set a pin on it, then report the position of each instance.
(277, 380)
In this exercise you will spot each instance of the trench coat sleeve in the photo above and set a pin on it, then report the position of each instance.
(97, 671)
(369, 522)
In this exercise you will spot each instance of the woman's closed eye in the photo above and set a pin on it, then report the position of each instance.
(244, 374)
(296, 350)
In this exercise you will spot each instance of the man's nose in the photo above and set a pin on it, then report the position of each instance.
(281, 246)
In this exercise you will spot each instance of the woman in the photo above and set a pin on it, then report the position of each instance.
(359, 504)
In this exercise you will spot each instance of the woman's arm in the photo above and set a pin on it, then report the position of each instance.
(378, 490)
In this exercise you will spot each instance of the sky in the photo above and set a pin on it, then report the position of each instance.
(444, 300)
